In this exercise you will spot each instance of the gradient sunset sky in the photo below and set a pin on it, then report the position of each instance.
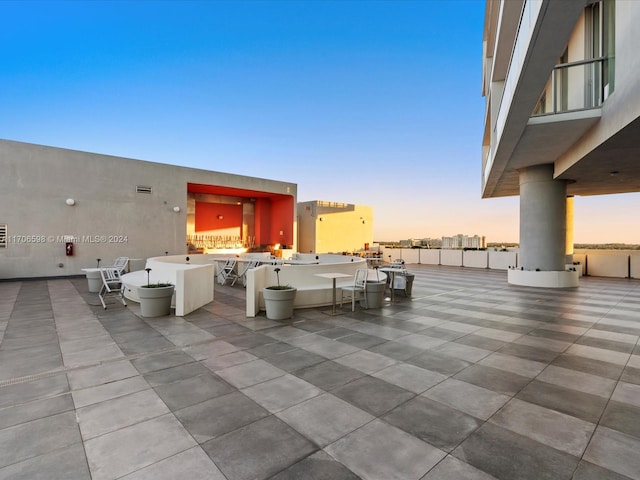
(369, 102)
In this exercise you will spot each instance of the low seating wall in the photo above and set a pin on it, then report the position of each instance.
(195, 278)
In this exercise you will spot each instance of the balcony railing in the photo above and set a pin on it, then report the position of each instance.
(574, 86)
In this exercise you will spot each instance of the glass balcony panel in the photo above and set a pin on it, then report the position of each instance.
(574, 86)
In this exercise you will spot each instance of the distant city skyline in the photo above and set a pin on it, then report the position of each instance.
(374, 103)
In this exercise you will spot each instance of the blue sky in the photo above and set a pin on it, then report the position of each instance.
(369, 102)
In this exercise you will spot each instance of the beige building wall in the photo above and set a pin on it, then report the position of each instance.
(108, 219)
(331, 227)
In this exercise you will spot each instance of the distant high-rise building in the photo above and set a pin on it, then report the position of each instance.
(463, 241)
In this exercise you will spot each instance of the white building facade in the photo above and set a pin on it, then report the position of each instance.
(561, 83)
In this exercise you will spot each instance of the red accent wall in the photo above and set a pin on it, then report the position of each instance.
(207, 217)
(272, 216)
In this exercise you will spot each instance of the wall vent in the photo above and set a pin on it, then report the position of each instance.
(143, 189)
(3, 235)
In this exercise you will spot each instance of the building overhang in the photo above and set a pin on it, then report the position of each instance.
(549, 33)
(545, 138)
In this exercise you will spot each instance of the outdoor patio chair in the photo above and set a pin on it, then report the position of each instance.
(228, 272)
(357, 291)
(252, 264)
(121, 264)
(111, 285)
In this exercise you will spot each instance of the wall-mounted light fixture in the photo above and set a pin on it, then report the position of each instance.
(614, 173)
(220, 217)
(70, 201)
(176, 209)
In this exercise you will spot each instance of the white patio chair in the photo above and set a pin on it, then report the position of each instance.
(111, 285)
(251, 265)
(121, 264)
(356, 291)
(228, 272)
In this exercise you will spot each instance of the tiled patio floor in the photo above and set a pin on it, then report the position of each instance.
(470, 378)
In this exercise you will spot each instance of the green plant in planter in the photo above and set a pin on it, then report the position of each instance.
(155, 298)
(279, 299)
(278, 286)
(157, 284)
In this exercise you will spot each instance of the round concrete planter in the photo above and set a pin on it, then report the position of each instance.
(155, 301)
(94, 279)
(375, 294)
(279, 302)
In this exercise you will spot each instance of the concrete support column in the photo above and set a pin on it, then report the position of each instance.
(543, 227)
(568, 260)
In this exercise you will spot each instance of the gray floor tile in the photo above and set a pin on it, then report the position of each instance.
(324, 419)
(529, 353)
(281, 392)
(517, 365)
(227, 360)
(29, 361)
(562, 432)
(410, 377)
(453, 469)
(396, 350)
(333, 333)
(26, 412)
(293, 360)
(463, 352)
(603, 354)
(26, 440)
(192, 390)
(218, 416)
(366, 452)
(258, 450)
(606, 344)
(192, 464)
(476, 401)
(482, 342)
(507, 455)
(113, 414)
(373, 395)
(366, 361)
(565, 400)
(631, 375)
(101, 374)
(175, 374)
(250, 341)
(622, 417)
(329, 375)
(627, 393)
(270, 349)
(107, 391)
(443, 333)
(588, 365)
(438, 362)
(615, 451)
(589, 471)
(362, 340)
(318, 466)
(582, 382)
(66, 463)
(161, 361)
(129, 449)
(433, 422)
(250, 373)
(494, 379)
(210, 349)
